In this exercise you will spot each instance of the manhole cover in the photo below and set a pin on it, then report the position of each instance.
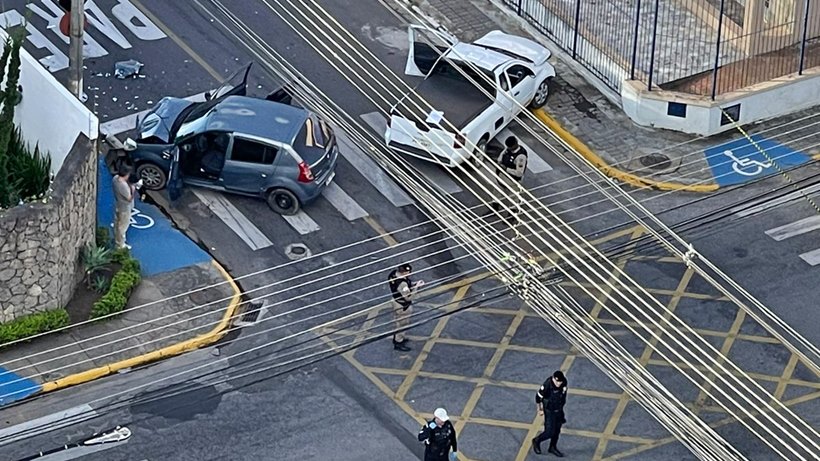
(297, 251)
(656, 161)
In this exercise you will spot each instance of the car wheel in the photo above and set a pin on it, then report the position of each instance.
(541, 95)
(480, 152)
(283, 201)
(153, 176)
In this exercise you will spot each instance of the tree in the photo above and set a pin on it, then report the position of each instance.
(5, 185)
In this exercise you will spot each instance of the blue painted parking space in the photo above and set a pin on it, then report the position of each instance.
(741, 160)
(14, 387)
(155, 242)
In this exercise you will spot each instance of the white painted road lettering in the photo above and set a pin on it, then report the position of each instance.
(124, 11)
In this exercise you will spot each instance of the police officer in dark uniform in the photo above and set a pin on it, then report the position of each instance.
(550, 401)
(439, 436)
(403, 291)
(513, 161)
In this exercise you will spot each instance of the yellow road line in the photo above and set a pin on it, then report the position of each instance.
(474, 397)
(404, 387)
(723, 422)
(175, 349)
(618, 413)
(380, 231)
(181, 43)
(610, 171)
(724, 351)
(785, 377)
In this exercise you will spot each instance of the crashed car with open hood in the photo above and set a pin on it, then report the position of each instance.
(236, 144)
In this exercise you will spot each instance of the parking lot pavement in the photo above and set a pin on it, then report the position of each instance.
(484, 365)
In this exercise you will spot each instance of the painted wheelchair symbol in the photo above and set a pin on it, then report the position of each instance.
(141, 221)
(746, 166)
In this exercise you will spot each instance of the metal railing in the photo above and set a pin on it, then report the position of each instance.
(701, 47)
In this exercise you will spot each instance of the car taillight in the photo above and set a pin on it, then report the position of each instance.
(305, 175)
(460, 140)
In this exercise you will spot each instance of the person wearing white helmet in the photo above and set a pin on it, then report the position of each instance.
(439, 437)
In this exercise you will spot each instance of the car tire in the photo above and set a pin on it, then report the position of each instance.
(152, 175)
(480, 152)
(542, 93)
(283, 201)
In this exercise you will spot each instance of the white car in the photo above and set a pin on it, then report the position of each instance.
(508, 73)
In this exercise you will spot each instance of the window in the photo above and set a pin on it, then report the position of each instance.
(503, 83)
(245, 150)
(729, 115)
(517, 73)
(676, 109)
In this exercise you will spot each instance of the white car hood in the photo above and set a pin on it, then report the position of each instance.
(519, 46)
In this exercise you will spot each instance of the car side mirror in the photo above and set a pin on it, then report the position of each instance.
(208, 95)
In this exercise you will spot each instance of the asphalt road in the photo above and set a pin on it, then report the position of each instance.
(332, 409)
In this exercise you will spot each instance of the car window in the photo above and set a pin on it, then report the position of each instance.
(503, 83)
(517, 73)
(448, 68)
(246, 150)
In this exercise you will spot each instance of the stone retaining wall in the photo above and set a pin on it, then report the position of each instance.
(41, 243)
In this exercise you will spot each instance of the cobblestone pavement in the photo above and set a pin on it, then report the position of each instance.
(485, 364)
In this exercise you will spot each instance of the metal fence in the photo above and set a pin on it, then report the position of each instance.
(701, 47)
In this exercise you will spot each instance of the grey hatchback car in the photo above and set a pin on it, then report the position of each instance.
(284, 154)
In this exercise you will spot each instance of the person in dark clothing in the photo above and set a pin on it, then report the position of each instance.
(439, 436)
(550, 401)
(513, 161)
(403, 291)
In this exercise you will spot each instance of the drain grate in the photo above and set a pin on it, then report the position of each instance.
(656, 161)
(253, 314)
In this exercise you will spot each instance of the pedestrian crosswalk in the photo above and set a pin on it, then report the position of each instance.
(347, 204)
(796, 228)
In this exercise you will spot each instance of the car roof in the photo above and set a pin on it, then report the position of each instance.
(257, 117)
(481, 57)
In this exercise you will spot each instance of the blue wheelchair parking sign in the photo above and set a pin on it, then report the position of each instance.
(741, 160)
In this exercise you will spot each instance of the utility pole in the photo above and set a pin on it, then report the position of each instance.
(75, 50)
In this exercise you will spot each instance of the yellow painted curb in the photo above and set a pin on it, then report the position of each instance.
(169, 351)
(615, 173)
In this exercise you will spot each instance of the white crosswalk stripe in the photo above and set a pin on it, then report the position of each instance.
(343, 202)
(233, 218)
(371, 171)
(793, 229)
(302, 223)
(811, 257)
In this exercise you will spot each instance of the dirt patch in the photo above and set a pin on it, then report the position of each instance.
(83, 299)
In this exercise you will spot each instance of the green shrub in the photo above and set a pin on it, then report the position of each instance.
(95, 259)
(100, 284)
(121, 286)
(32, 325)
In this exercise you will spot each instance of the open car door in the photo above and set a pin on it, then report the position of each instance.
(426, 48)
(235, 85)
(174, 177)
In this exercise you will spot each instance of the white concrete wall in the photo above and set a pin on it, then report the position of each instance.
(49, 115)
(766, 100)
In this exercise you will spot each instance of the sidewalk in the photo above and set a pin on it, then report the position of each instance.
(151, 328)
(639, 156)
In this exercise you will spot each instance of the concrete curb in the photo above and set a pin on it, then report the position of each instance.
(620, 175)
(169, 351)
